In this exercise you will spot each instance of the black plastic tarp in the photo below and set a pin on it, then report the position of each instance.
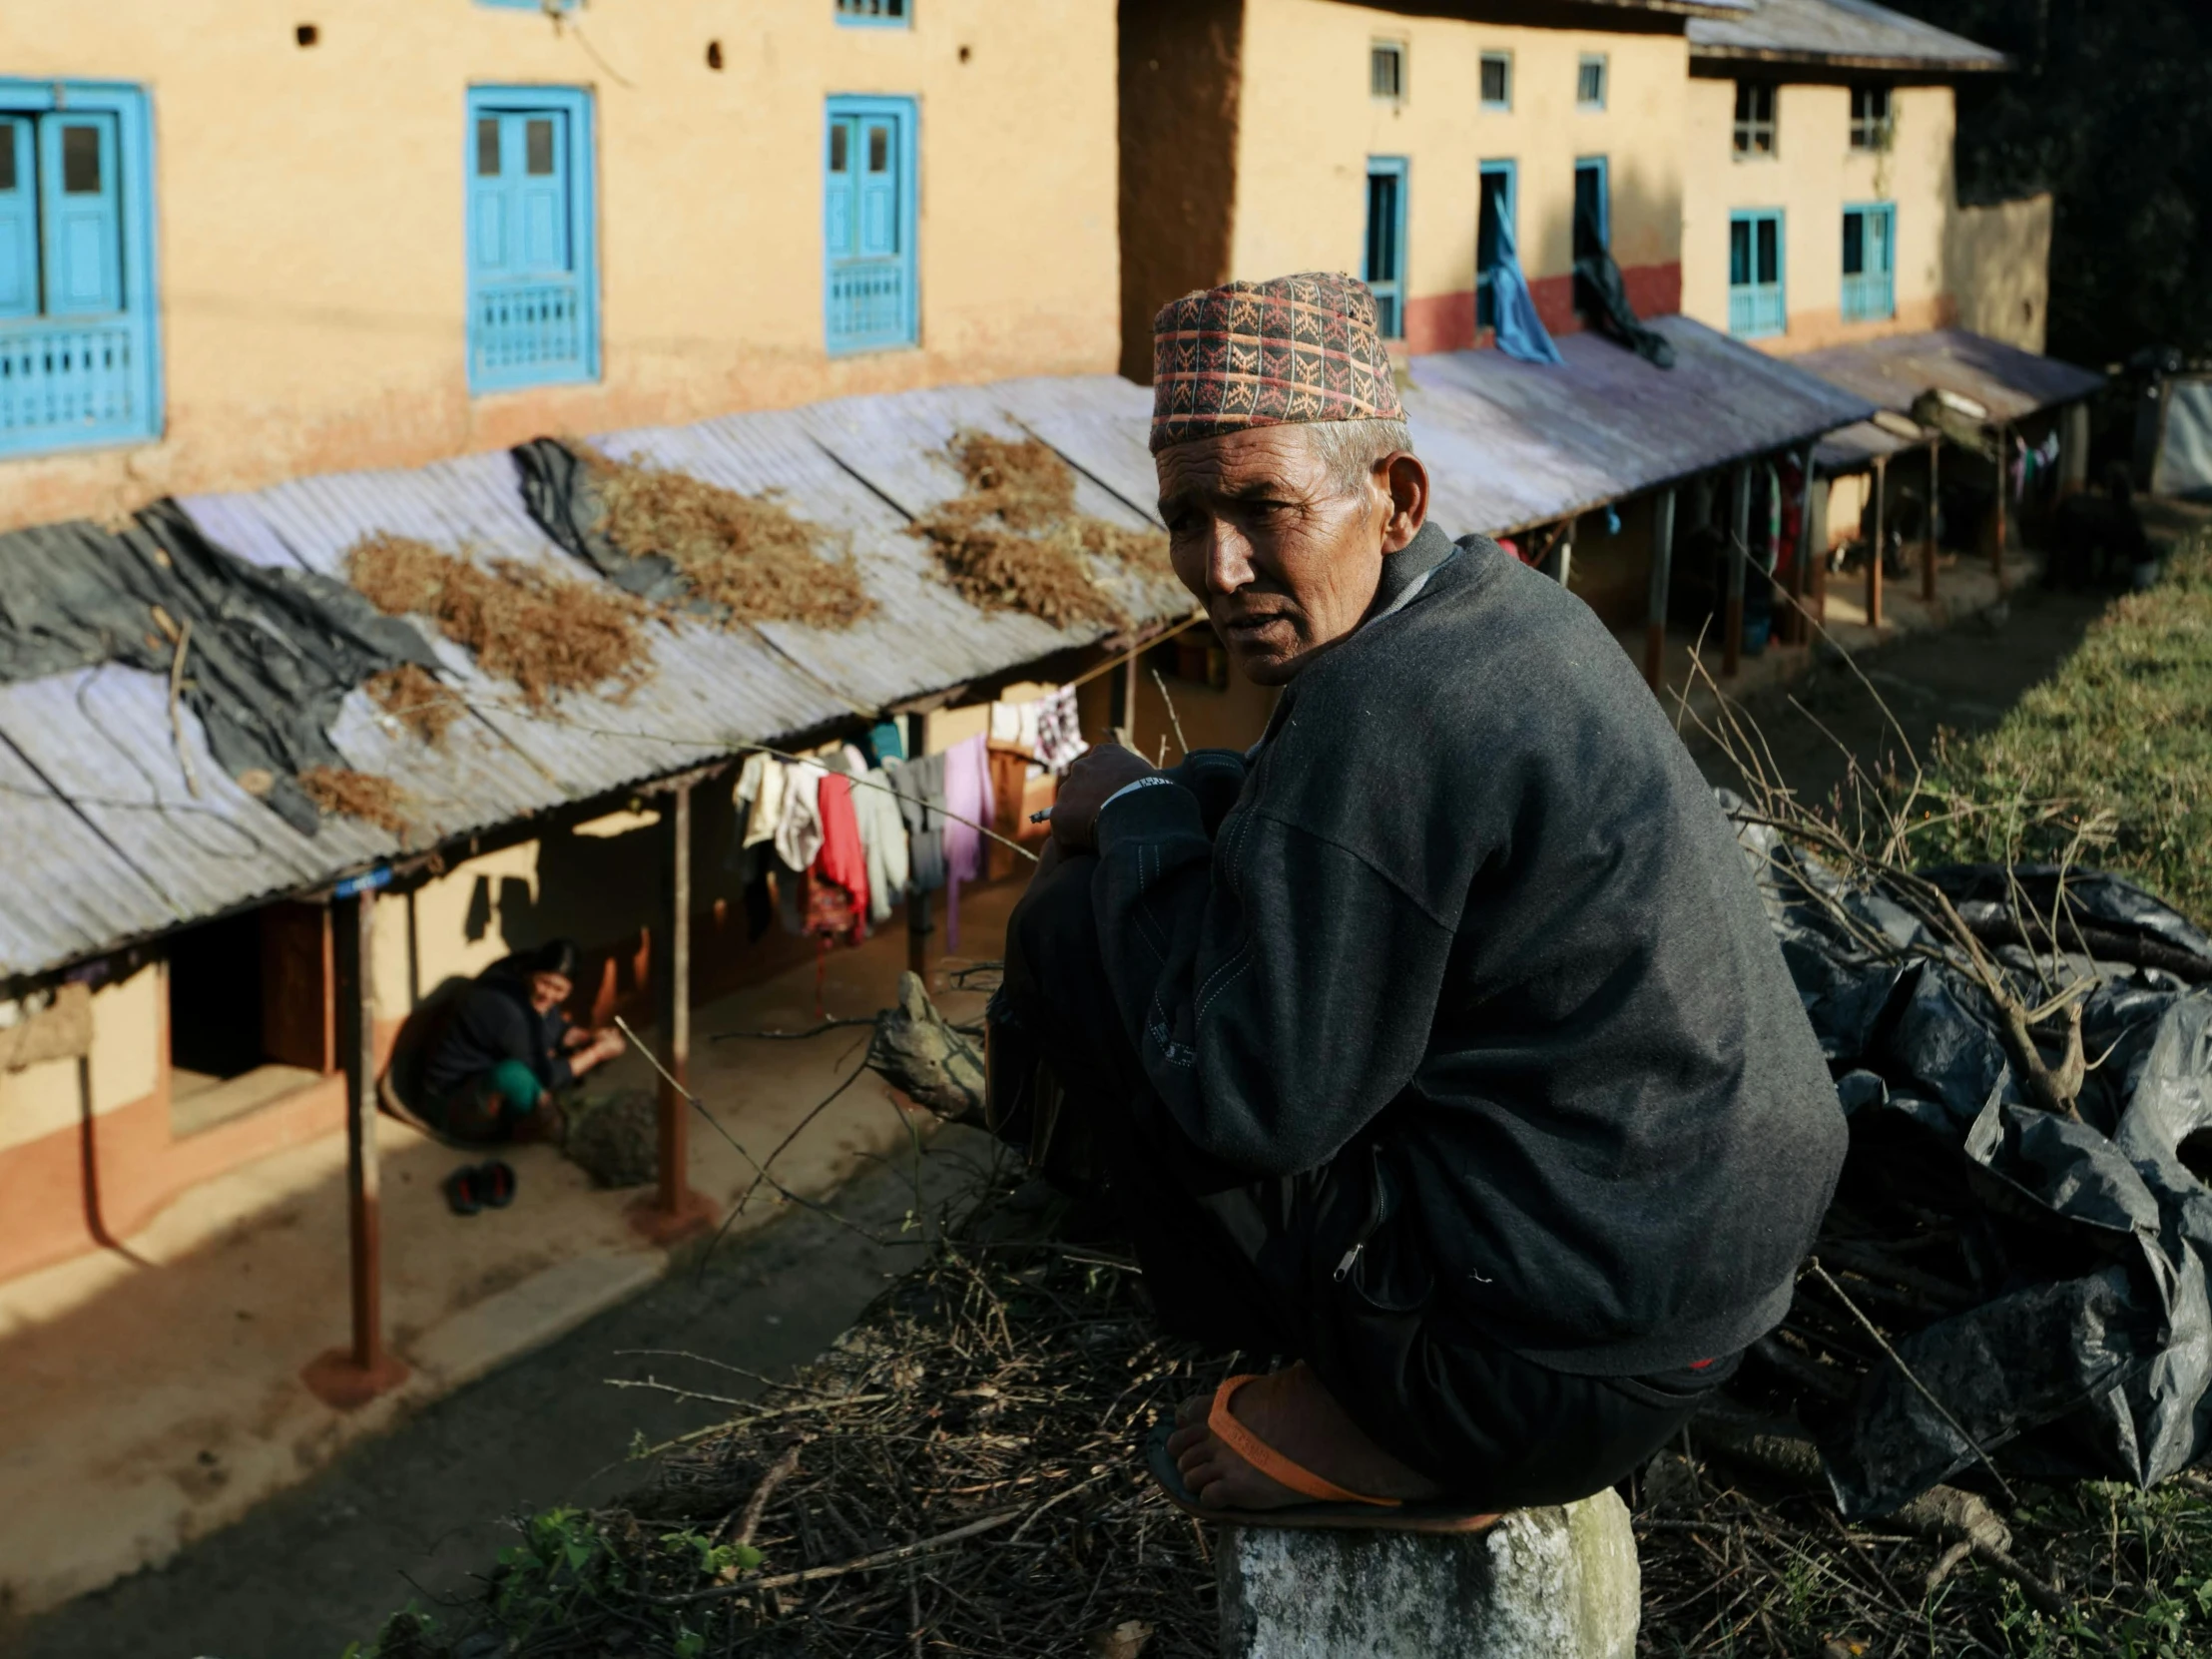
(557, 489)
(272, 652)
(2089, 1352)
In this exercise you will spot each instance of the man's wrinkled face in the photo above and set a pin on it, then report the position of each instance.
(549, 990)
(1284, 561)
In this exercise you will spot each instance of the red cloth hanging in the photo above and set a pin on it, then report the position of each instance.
(842, 860)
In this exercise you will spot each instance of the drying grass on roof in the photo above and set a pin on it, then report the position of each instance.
(546, 634)
(418, 699)
(339, 792)
(1014, 540)
(746, 553)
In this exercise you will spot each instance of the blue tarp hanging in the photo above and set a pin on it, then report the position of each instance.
(1520, 332)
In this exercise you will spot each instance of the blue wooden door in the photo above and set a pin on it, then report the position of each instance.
(521, 197)
(18, 219)
(1755, 304)
(529, 266)
(83, 219)
(869, 223)
(1870, 262)
(1385, 266)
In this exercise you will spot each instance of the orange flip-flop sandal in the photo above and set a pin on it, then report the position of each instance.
(1333, 1506)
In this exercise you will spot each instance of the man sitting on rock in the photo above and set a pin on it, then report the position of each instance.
(507, 1047)
(1438, 1045)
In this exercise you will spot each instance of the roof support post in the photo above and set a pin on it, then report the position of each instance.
(674, 1210)
(1935, 497)
(1738, 555)
(1662, 577)
(1562, 558)
(917, 902)
(352, 1376)
(2005, 482)
(2073, 448)
(1801, 561)
(1874, 561)
(1815, 536)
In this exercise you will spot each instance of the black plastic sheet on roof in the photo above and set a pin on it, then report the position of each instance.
(268, 653)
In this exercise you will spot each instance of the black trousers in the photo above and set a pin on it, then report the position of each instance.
(1267, 1266)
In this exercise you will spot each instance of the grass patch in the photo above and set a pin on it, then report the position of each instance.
(2120, 737)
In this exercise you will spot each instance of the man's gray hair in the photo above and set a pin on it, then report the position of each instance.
(1350, 448)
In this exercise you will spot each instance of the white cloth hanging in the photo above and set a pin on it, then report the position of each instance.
(798, 830)
(763, 802)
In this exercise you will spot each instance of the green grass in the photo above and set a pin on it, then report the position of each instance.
(2121, 734)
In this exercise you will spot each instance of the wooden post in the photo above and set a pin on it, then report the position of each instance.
(1935, 499)
(1873, 564)
(2004, 484)
(674, 1210)
(1564, 563)
(1738, 555)
(917, 902)
(1816, 537)
(352, 1376)
(1129, 698)
(1800, 577)
(1662, 574)
(2073, 448)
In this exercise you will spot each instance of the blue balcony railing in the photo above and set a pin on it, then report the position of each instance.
(528, 334)
(64, 384)
(868, 304)
(1755, 311)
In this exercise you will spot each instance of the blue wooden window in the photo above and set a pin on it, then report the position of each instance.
(875, 14)
(79, 348)
(867, 225)
(1496, 208)
(1870, 261)
(1755, 289)
(1384, 269)
(1593, 207)
(1589, 81)
(1496, 80)
(533, 302)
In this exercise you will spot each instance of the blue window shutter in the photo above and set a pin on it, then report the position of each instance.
(1757, 306)
(1384, 269)
(532, 295)
(83, 227)
(18, 219)
(869, 223)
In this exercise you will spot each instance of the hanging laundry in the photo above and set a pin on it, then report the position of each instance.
(842, 863)
(882, 844)
(763, 802)
(1060, 730)
(884, 742)
(920, 786)
(967, 797)
(1520, 332)
(798, 830)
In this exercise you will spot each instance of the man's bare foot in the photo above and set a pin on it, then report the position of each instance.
(1291, 1412)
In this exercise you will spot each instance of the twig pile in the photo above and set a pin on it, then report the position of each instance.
(545, 634)
(746, 553)
(418, 699)
(1013, 539)
(337, 792)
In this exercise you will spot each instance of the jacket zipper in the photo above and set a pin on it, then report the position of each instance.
(1375, 1216)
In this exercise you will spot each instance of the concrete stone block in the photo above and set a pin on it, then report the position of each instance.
(1558, 1583)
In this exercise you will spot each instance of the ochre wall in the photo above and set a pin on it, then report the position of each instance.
(1813, 174)
(1308, 125)
(1999, 257)
(309, 217)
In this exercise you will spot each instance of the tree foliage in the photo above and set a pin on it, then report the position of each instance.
(2105, 108)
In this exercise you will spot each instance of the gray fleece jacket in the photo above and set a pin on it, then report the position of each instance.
(1474, 916)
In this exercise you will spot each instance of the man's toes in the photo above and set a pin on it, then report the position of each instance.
(1184, 1439)
(1193, 1409)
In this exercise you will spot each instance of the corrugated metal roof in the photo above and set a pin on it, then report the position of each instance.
(1892, 371)
(1845, 33)
(1510, 445)
(112, 845)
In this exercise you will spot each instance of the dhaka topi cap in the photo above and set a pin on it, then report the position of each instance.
(1292, 349)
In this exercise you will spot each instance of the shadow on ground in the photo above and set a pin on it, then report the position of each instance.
(413, 1513)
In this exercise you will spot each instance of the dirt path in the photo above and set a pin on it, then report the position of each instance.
(414, 1513)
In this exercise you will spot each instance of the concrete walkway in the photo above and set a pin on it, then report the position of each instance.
(150, 1395)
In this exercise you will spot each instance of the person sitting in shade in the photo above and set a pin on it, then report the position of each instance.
(1438, 1045)
(507, 1049)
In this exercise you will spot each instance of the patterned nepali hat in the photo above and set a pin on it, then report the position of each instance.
(1292, 348)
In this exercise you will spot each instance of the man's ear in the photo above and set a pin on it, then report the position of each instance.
(1405, 479)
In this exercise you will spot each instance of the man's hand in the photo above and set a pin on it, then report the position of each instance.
(1095, 775)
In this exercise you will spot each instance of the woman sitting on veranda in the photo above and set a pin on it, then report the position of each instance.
(507, 1049)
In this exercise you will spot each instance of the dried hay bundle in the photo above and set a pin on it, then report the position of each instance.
(420, 701)
(1014, 541)
(545, 634)
(616, 1141)
(362, 794)
(746, 553)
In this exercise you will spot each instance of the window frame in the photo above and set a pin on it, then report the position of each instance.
(1742, 131)
(1498, 105)
(1872, 135)
(1749, 294)
(130, 106)
(1851, 301)
(1393, 290)
(576, 103)
(1377, 48)
(906, 112)
(1604, 171)
(860, 20)
(1484, 281)
(1602, 63)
